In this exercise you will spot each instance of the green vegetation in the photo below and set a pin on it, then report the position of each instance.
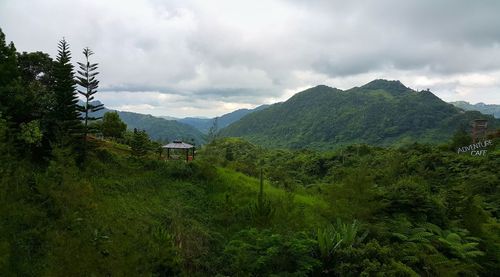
(481, 107)
(159, 129)
(418, 210)
(238, 209)
(87, 80)
(204, 124)
(112, 126)
(379, 113)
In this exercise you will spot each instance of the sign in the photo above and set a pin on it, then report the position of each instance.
(476, 149)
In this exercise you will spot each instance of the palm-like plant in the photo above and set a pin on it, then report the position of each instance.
(459, 244)
(341, 235)
(328, 242)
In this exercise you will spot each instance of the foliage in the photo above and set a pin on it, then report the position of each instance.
(253, 252)
(482, 107)
(161, 129)
(65, 114)
(140, 143)
(378, 113)
(418, 209)
(112, 126)
(89, 83)
(335, 237)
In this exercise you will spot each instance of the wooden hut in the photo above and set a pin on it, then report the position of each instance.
(186, 147)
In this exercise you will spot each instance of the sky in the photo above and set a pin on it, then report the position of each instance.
(207, 58)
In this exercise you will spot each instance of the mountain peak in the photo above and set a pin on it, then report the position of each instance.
(388, 85)
(321, 86)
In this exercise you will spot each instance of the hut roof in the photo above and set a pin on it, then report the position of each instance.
(177, 144)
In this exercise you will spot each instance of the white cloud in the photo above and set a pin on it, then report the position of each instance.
(198, 57)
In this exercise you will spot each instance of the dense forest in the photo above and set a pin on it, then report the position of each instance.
(380, 113)
(82, 196)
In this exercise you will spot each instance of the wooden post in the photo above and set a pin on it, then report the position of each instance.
(168, 153)
(187, 154)
(193, 152)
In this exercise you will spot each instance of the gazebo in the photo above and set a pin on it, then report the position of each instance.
(177, 144)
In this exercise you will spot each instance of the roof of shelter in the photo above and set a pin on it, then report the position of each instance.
(177, 144)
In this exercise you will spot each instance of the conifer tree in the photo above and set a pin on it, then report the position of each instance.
(65, 111)
(89, 83)
(8, 76)
(140, 142)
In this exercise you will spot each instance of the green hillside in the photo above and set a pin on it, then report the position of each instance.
(204, 124)
(161, 129)
(158, 128)
(481, 107)
(73, 204)
(361, 210)
(379, 113)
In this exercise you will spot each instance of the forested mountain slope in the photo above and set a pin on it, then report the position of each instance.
(204, 124)
(380, 113)
(481, 107)
(160, 129)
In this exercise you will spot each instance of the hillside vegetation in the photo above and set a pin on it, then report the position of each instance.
(481, 107)
(417, 210)
(204, 124)
(72, 204)
(379, 113)
(159, 129)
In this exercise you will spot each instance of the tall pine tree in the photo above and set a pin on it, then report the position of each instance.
(9, 76)
(89, 83)
(65, 111)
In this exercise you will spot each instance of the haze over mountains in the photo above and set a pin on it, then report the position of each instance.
(167, 128)
(481, 107)
(158, 128)
(380, 113)
(204, 124)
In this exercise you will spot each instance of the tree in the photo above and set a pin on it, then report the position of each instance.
(460, 138)
(112, 125)
(25, 96)
(65, 111)
(8, 75)
(140, 143)
(36, 67)
(89, 83)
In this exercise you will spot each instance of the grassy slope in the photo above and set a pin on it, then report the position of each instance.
(121, 214)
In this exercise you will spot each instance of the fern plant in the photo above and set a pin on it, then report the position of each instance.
(334, 237)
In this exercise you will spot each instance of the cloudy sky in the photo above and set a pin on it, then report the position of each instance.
(206, 58)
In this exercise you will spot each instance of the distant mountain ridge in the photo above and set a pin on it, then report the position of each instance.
(204, 124)
(380, 113)
(481, 107)
(158, 128)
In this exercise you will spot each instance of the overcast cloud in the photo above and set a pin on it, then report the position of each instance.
(206, 58)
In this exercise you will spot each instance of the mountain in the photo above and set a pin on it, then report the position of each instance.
(380, 113)
(481, 107)
(204, 124)
(162, 129)
(158, 128)
(201, 124)
(168, 117)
